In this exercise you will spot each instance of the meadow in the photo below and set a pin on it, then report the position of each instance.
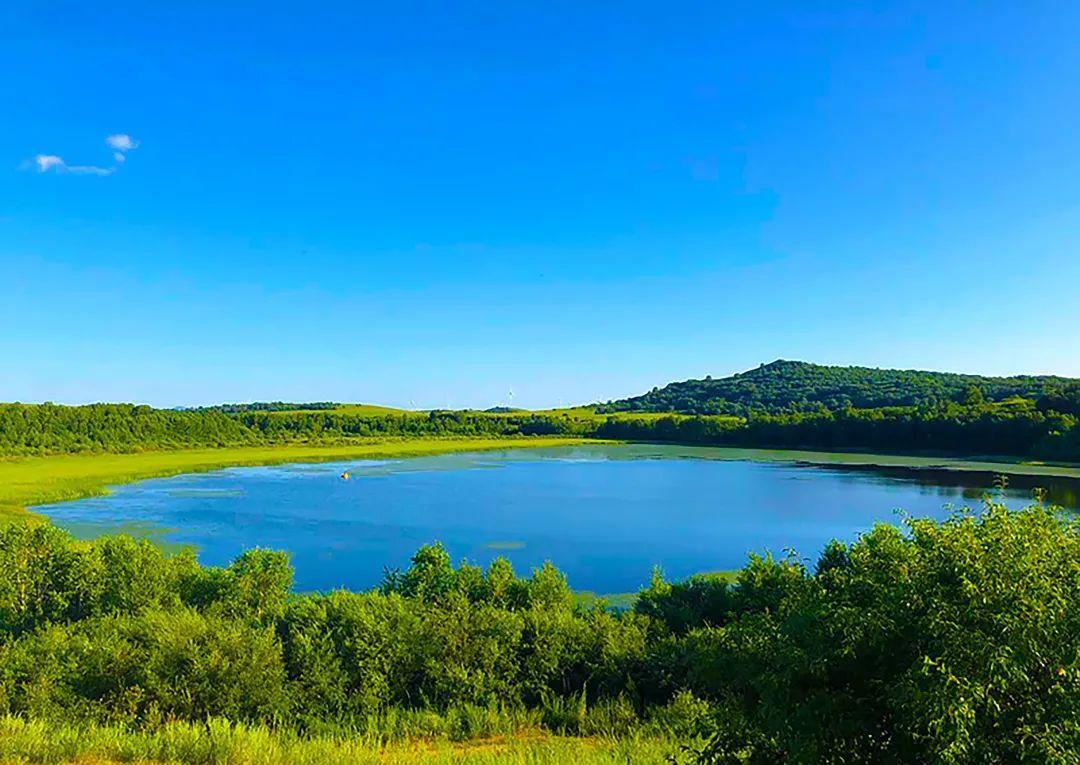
(220, 741)
(27, 481)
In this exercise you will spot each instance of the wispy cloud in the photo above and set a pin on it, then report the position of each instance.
(120, 143)
(90, 170)
(47, 162)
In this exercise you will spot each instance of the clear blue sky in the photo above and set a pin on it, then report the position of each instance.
(436, 203)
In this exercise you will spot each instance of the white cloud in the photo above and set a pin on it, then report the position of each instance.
(90, 170)
(47, 162)
(120, 143)
(51, 163)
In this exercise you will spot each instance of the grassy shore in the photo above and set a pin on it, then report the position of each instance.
(25, 482)
(29, 481)
(220, 741)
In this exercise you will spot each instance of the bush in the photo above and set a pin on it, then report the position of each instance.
(952, 642)
(957, 643)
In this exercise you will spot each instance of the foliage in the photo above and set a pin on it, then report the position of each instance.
(779, 405)
(955, 642)
(270, 406)
(959, 643)
(796, 386)
(53, 429)
(1017, 428)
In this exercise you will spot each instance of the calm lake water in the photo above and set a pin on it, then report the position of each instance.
(604, 514)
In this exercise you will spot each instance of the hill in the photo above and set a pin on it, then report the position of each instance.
(786, 404)
(797, 386)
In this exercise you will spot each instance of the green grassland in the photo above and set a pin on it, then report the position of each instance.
(220, 741)
(25, 482)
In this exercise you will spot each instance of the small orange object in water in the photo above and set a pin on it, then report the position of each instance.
(345, 476)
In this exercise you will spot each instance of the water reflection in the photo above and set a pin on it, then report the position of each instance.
(973, 485)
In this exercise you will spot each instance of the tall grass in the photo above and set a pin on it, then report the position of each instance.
(219, 742)
(25, 482)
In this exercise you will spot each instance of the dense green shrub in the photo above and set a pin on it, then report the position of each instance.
(700, 600)
(959, 642)
(955, 642)
(151, 666)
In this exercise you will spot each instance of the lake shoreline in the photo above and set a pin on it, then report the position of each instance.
(913, 460)
(26, 482)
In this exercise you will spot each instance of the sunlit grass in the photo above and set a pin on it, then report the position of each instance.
(25, 482)
(28, 481)
(219, 741)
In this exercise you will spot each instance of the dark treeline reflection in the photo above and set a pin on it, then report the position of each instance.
(975, 485)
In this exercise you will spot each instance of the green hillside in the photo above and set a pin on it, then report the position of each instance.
(797, 386)
(785, 404)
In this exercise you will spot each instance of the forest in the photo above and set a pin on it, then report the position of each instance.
(1044, 428)
(949, 642)
(784, 387)
(42, 429)
(1016, 428)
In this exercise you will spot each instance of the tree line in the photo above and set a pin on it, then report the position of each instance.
(40, 429)
(1017, 427)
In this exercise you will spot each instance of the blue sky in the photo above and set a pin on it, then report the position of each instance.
(433, 204)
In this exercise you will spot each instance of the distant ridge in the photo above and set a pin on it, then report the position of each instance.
(793, 386)
(272, 406)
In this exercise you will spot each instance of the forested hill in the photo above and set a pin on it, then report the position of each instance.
(796, 386)
(780, 405)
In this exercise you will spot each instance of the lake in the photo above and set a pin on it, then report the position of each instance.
(605, 514)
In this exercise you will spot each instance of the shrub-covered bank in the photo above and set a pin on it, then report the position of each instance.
(953, 642)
